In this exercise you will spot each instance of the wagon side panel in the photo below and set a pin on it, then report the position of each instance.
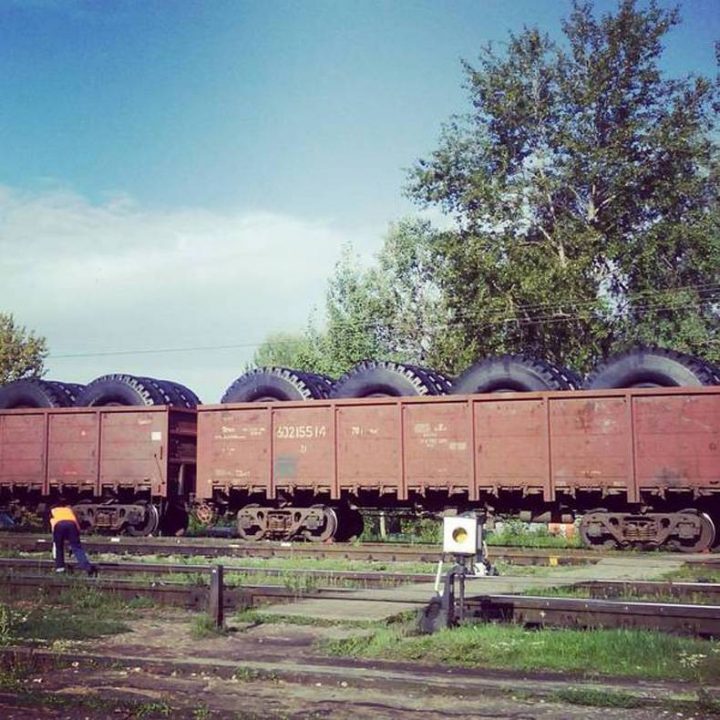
(304, 450)
(677, 442)
(134, 450)
(438, 447)
(591, 439)
(511, 446)
(23, 441)
(234, 450)
(73, 450)
(369, 456)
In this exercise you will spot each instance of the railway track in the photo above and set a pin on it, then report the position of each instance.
(382, 552)
(530, 611)
(705, 592)
(367, 579)
(538, 612)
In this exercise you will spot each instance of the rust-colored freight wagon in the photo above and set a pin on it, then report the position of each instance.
(642, 465)
(121, 467)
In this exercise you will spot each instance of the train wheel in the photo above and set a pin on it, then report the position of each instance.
(592, 531)
(251, 523)
(700, 543)
(85, 513)
(149, 524)
(328, 528)
(205, 513)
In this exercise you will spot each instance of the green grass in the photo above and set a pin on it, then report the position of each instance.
(203, 626)
(630, 653)
(694, 573)
(260, 617)
(590, 697)
(79, 613)
(516, 533)
(281, 563)
(629, 595)
(429, 530)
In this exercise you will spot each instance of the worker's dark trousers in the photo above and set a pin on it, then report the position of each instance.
(67, 530)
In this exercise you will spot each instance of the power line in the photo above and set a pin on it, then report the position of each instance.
(552, 319)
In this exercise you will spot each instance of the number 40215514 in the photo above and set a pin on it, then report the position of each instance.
(289, 432)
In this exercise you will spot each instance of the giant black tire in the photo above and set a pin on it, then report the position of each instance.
(70, 390)
(322, 384)
(32, 393)
(650, 367)
(174, 393)
(119, 389)
(573, 378)
(188, 397)
(378, 378)
(510, 373)
(440, 382)
(163, 389)
(269, 384)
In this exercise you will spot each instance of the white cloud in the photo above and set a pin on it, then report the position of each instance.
(95, 278)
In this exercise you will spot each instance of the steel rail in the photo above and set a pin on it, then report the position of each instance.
(177, 594)
(609, 589)
(532, 611)
(374, 578)
(703, 620)
(385, 552)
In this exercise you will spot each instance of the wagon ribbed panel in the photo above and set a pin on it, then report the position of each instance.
(438, 447)
(303, 456)
(22, 450)
(511, 445)
(73, 450)
(234, 450)
(591, 443)
(369, 446)
(134, 450)
(677, 441)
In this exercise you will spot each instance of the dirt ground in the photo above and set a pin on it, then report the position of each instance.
(273, 671)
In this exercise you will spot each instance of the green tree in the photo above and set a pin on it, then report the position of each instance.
(22, 353)
(583, 188)
(392, 310)
(291, 350)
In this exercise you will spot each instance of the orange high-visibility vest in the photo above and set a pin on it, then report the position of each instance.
(62, 513)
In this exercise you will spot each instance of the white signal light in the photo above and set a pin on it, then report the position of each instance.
(461, 535)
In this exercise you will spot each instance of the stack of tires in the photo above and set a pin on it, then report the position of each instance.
(108, 390)
(635, 368)
(119, 389)
(38, 393)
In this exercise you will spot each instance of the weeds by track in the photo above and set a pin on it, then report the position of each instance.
(381, 552)
(532, 611)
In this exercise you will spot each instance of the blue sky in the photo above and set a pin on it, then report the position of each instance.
(182, 174)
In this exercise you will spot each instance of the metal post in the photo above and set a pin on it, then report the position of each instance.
(462, 573)
(216, 596)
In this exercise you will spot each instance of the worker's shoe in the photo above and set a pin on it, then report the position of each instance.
(60, 570)
(92, 571)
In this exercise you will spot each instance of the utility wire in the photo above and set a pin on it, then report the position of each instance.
(558, 317)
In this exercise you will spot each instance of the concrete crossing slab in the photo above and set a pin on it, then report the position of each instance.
(387, 603)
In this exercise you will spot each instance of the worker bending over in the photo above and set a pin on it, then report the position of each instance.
(65, 526)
